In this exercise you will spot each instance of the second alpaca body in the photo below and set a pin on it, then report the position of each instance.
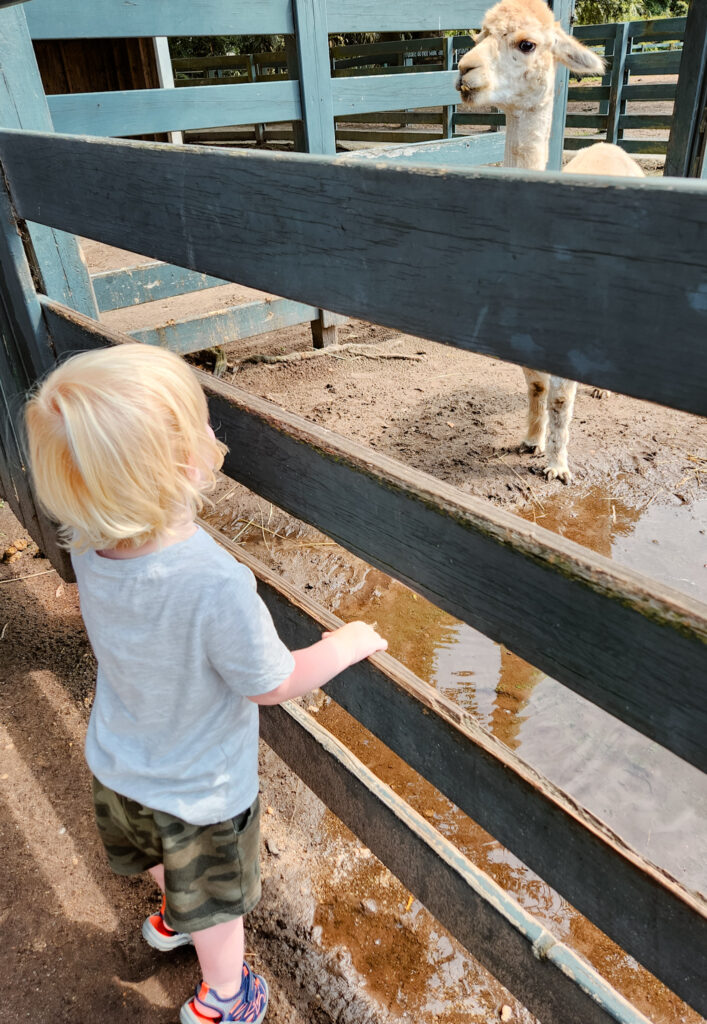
(512, 67)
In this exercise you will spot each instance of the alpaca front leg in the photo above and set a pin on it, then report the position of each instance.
(560, 406)
(538, 384)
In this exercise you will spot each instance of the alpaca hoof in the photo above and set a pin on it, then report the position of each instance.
(534, 447)
(561, 473)
(600, 393)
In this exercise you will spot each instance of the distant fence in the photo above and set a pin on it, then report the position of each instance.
(392, 57)
(630, 48)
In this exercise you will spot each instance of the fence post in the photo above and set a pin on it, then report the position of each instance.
(318, 135)
(314, 75)
(165, 76)
(59, 262)
(609, 47)
(688, 135)
(619, 78)
(450, 109)
(564, 13)
(253, 77)
(25, 355)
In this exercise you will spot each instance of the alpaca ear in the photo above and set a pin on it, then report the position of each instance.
(575, 55)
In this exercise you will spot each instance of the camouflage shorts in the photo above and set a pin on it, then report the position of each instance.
(212, 872)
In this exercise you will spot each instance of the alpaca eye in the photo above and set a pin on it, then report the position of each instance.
(525, 46)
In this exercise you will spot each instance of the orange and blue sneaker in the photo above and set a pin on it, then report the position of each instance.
(160, 935)
(248, 1006)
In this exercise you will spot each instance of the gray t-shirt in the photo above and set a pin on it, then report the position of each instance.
(182, 639)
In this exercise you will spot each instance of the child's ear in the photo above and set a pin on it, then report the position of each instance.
(575, 55)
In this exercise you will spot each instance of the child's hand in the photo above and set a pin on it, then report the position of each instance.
(356, 641)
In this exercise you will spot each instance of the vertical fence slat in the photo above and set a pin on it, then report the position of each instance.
(687, 135)
(563, 11)
(618, 80)
(166, 75)
(319, 136)
(449, 110)
(25, 355)
(609, 45)
(314, 76)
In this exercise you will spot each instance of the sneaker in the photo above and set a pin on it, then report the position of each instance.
(160, 935)
(248, 1006)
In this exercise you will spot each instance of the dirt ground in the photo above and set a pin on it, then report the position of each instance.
(337, 937)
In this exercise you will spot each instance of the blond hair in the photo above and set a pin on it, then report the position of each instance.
(119, 445)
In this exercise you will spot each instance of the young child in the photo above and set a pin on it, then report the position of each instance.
(121, 454)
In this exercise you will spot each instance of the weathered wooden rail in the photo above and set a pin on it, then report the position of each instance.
(379, 240)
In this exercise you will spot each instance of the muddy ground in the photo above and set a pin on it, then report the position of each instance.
(337, 937)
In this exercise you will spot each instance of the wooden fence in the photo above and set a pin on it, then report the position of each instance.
(623, 641)
(392, 57)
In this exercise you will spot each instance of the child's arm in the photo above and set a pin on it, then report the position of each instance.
(316, 665)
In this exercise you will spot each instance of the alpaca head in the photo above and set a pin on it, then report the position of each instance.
(512, 65)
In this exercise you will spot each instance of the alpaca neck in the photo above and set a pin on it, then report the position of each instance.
(528, 138)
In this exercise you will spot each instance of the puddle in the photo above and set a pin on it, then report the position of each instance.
(655, 801)
(411, 965)
(667, 542)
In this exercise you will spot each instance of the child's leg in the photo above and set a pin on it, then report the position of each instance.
(219, 949)
(158, 874)
(220, 952)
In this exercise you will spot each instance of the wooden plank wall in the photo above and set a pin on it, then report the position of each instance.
(101, 65)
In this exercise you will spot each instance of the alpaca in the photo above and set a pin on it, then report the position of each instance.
(512, 67)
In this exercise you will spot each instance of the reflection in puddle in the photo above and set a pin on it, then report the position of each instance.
(618, 774)
(667, 542)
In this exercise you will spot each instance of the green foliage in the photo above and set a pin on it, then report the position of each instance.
(666, 8)
(599, 12)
